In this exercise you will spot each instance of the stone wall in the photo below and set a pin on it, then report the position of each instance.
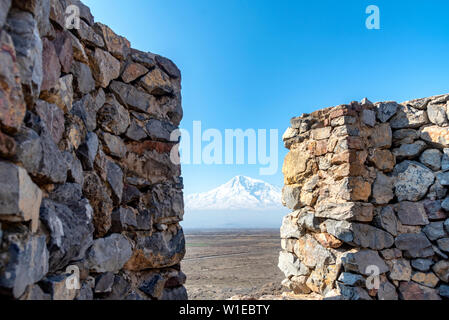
(86, 181)
(367, 184)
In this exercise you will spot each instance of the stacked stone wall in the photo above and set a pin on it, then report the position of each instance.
(368, 188)
(87, 186)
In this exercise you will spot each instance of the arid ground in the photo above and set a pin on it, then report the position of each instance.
(220, 264)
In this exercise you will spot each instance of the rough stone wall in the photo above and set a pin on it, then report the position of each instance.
(86, 180)
(367, 184)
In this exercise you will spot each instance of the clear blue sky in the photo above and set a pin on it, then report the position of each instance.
(257, 63)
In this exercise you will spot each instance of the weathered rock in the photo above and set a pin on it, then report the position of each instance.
(5, 5)
(437, 114)
(130, 96)
(179, 293)
(312, 253)
(444, 291)
(387, 291)
(133, 71)
(387, 220)
(35, 293)
(327, 240)
(28, 45)
(441, 269)
(340, 229)
(168, 66)
(123, 219)
(367, 236)
(114, 176)
(437, 191)
(443, 244)
(416, 245)
(412, 214)
(405, 136)
(85, 110)
(400, 270)
(105, 67)
(159, 130)
(414, 291)
(167, 203)
(426, 279)
(7, 146)
(61, 94)
(409, 117)
(56, 286)
(353, 293)
(291, 196)
(52, 70)
(104, 282)
(113, 145)
(432, 159)
(422, 264)
(95, 191)
(20, 198)
(369, 117)
(434, 230)
(118, 46)
(52, 118)
(443, 178)
(410, 151)
(83, 81)
(75, 169)
(109, 254)
(154, 286)
(79, 54)
(381, 137)
(359, 262)
(71, 229)
(291, 266)
(412, 180)
(88, 151)
(351, 279)
(88, 36)
(350, 211)
(147, 59)
(26, 262)
(12, 104)
(113, 117)
(384, 160)
(28, 150)
(386, 110)
(136, 132)
(436, 135)
(156, 82)
(159, 250)
(382, 191)
(390, 254)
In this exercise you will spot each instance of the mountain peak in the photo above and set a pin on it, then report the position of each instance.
(241, 192)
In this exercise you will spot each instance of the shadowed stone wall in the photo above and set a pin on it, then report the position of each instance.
(86, 181)
(367, 185)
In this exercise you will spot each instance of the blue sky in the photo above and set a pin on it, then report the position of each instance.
(256, 63)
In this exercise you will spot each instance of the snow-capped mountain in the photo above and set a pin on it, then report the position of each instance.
(239, 193)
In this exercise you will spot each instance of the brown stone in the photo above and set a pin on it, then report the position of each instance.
(436, 135)
(295, 167)
(321, 133)
(7, 146)
(64, 50)
(384, 160)
(12, 104)
(327, 240)
(426, 279)
(105, 67)
(414, 291)
(52, 67)
(62, 94)
(118, 46)
(133, 71)
(381, 136)
(156, 82)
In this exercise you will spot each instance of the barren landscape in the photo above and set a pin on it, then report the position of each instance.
(220, 264)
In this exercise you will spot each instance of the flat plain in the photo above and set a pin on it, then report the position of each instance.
(221, 263)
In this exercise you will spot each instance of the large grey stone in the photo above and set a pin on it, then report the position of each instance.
(167, 203)
(432, 159)
(437, 114)
(25, 262)
(385, 110)
(443, 244)
(415, 245)
(382, 190)
(113, 117)
(409, 117)
(410, 151)
(86, 111)
(352, 279)
(130, 96)
(434, 230)
(290, 265)
(359, 262)
(413, 291)
(123, 219)
(159, 130)
(109, 254)
(340, 229)
(71, 229)
(387, 291)
(412, 213)
(28, 45)
(350, 211)
(113, 145)
(28, 150)
(441, 269)
(443, 178)
(367, 236)
(400, 270)
(291, 196)
(386, 219)
(422, 264)
(114, 176)
(412, 180)
(153, 286)
(83, 81)
(88, 151)
(20, 198)
(53, 168)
